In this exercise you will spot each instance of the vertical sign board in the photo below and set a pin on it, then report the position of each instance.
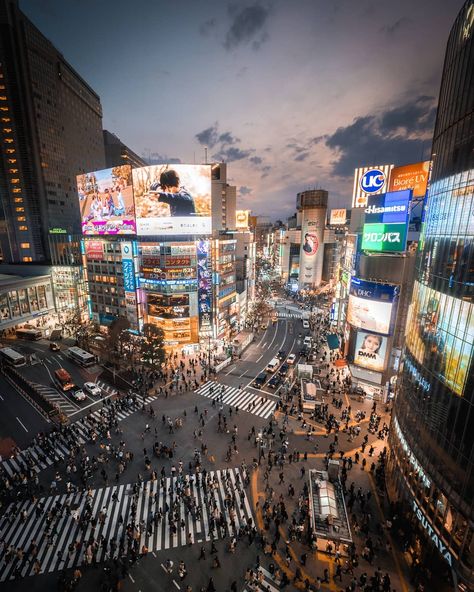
(204, 277)
(129, 283)
(386, 220)
(312, 247)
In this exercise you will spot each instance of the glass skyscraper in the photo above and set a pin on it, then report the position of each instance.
(432, 437)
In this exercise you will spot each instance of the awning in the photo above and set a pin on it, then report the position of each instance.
(333, 341)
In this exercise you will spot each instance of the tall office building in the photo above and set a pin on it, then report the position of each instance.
(312, 207)
(51, 129)
(117, 153)
(431, 465)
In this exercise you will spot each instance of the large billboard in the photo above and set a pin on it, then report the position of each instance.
(369, 181)
(440, 334)
(411, 176)
(370, 351)
(372, 306)
(173, 199)
(106, 201)
(242, 219)
(204, 267)
(386, 220)
(312, 247)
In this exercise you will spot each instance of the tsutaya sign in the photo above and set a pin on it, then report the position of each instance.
(436, 539)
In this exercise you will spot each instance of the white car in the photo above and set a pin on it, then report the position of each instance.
(93, 389)
(79, 395)
(291, 359)
(305, 324)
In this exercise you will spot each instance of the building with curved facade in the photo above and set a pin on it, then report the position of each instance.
(431, 464)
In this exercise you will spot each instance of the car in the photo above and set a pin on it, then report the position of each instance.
(54, 346)
(274, 382)
(281, 355)
(291, 359)
(93, 389)
(260, 380)
(307, 341)
(305, 324)
(79, 395)
(273, 365)
(283, 369)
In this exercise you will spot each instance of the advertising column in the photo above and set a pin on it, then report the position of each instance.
(312, 248)
(204, 276)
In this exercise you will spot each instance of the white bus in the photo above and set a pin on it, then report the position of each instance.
(80, 356)
(12, 357)
(30, 334)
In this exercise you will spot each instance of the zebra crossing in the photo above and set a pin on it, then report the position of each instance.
(162, 514)
(235, 397)
(265, 582)
(289, 315)
(39, 457)
(54, 397)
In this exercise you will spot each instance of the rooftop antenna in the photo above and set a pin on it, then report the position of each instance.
(205, 155)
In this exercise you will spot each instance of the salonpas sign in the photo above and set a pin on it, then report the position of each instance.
(435, 538)
(384, 237)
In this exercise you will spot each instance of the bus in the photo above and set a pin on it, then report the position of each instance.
(80, 356)
(63, 379)
(12, 357)
(30, 334)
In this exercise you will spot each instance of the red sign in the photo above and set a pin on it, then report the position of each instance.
(94, 250)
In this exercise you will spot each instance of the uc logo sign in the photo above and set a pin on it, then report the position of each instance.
(372, 181)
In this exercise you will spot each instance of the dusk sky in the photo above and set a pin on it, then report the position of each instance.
(292, 94)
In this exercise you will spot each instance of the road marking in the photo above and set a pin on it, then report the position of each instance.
(22, 424)
(177, 586)
(2, 398)
(91, 404)
(231, 369)
(244, 372)
(130, 576)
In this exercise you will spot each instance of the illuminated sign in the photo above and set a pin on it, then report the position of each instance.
(94, 250)
(416, 375)
(173, 199)
(204, 269)
(370, 351)
(384, 237)
(106, 201)
(369, 181)
(242, 218)
(338, 217)
(432, 533)
(57, 231)
(411, 176)
(371, 306)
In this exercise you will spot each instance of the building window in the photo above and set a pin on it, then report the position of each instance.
(27, 259)
(25, 245)
(21, 218)
(23, 228)
(21, 209)
(17, 190)
(18, 200)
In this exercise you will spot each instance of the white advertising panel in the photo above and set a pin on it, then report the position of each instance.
(370, 351)
(371, 315)
(312, 247)
(370, 180)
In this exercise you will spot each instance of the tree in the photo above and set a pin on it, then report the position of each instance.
(152, 352)
(117, 341)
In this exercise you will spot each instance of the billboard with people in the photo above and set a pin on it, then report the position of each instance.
(173, 199)
(370, 351)
(106, 201)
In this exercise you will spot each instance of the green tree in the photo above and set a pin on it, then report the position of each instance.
(152, 352)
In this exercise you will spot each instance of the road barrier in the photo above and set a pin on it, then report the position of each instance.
(223, 365)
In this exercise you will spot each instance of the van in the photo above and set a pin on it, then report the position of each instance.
(273, 365)
(307, 341)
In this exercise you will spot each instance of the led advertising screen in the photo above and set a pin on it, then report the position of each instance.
(204, 267)
(384, 238)
(106, 201)
(441, 334)
(372, 306)
(411, 176)
(369, 181)
(173, 199)
(370, 351)
(338, 217)
(386, 220)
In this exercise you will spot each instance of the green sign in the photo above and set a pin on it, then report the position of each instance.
(384, 237)
(57, 231)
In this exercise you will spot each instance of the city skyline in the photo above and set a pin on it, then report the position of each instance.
(313, 93)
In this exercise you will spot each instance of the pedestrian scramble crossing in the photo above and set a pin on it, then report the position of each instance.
(55, 398)
(245, 400)
(55, 447)
(265, 582)
(97, 525)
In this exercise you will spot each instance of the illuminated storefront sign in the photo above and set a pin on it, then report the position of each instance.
(386, 222)
(57, 231)
(242, 219)
(94, 250)
(434, 536)
(372, 306)
(338, 217)
(128, 275)
(410, 456)
(416, 375)
(369, 181)
(411, 176)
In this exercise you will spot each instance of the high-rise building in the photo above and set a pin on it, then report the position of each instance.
(117, 153)
(312, 207)
(224, 197)
(51, 129)
(431, 464)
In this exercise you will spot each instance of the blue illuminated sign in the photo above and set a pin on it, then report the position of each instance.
(388, 208)
(372, 181)
(128, 271)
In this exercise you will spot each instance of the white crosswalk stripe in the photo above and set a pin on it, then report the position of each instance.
(40, 457)
(211, 509)
(235, 397)
(266, 582)
(289, 315)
